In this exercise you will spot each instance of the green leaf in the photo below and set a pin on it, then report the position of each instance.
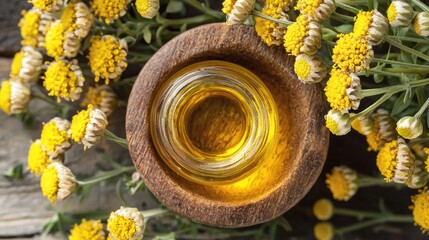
(402, 102)
(184, 27)
(27, 119)
(170, 236)
(345, 28)
(284, 224)
(175, 7)
(421, 95)
(147, 34)
(427, 118)
(15, 172)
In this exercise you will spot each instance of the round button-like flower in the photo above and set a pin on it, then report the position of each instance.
(55, 137)
(64, 79)
(352, 53)
(101, 97)
(421, 24)
(126, 223)
(57, 182)
(303, 36)
(323, 209)
(107, 57)
(34, 25)
(272, 33)
(240, 12)
(147, 8)
(409, 127)
(420, 209)
(420, 177)
(400, 13)
(309, 68)
(88, 126)
(342, 182)
(26, 65)
(77, 18)
(383, 130)
(109, 10)
(324, 231)
(372, 25)
(338, 123)
(60, 42)
(14, 97)
(48, 5)
(38, 158)
(363, 124)
(343, 90)
(316, 9)
(396, 161)
(88, 230)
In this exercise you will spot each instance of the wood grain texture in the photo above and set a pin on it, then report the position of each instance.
(303, 138)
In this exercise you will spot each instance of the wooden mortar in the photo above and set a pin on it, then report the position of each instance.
(302, 144)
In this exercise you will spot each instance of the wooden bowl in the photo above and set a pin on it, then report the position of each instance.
(300, 152)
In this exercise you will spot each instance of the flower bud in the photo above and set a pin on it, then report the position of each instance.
(421, 24)
(309, 68)
(363, 124)
(57, 182)
(88, 126)
(400, 13)
(125, 223)
(14, 97)
(240, 12)
(303, 36)
(338, 123)
(409, 127)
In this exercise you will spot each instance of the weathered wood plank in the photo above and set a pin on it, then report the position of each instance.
(10, 13)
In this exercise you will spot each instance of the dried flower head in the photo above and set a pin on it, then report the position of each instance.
(77, 19)
(372, 25)
(309, 68)
(107, 57)
(29, 25)
(396, 161)
(240, 12)
(55, 137)
(228, 5)
(352, 53)
(64, 79)
(57, 182)
(420, 177)
(323, 209)
(109, 10)
(61, 43)
(147, 8)
(400, 13)
(420, 209)
(303, 36)
(38, 158)
(101, 97)
(14, 97)
(26, 65)
(126, 223)
(88, 126)
(48, 5)
(316, 9)
(337, 122)
(383, 130)
(343, 91)
(421, 24)
(409, 127)
(324, 231)
(88, 230)
(272, 33)
(363, 124)
(342, 182)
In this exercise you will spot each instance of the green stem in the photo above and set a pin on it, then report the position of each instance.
(261, 15)
(408, 70)
(202, 8)
(385, 73)
(190, 20)
(154, 213)
(371, 108)
(366, 181)
(342, 17)
(346, 7)
(406, 49)
(111, 136)
(359, 225)
(418, 140)
(409, 39)
(356, 213)
(377, 91)
(422, 109)
(106, 175)
(47, 100)
(421, 5)
(379, 60)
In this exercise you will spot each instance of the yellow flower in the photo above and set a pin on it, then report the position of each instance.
(383, 130)
(38, 158)
(409, 127)
(343, 90)
(426, 151)
(420, 209)
(309, 68)
(101, 97)
(29, 25)
(342, 182)
(419, 177)
(323, 231)
(109, 10)
(395, 161)
(126, 223)
(87, 230)
(14, 97)
(421, 24)
(372, 25)
(60, 42)
(323, 209)
(55, 137)
(77, 18)
(107, 57)
(147, 8)
(240, 12)
(26, 65)
(57, 182)
(48, 5)
(363, 124)
(87, 127)
(338, 123)
(400, 13)
(228, 5)
(64, 79)
(303, 36)
(316, 9)
(352, 53)
(272, 33)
